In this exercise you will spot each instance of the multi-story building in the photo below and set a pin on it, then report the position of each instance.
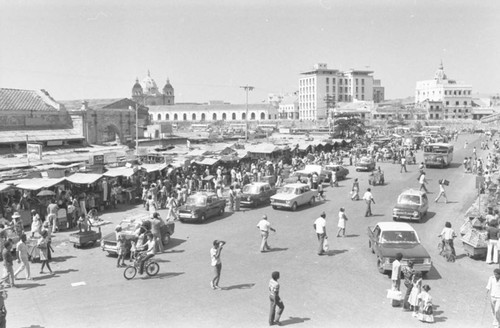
(321, 88)
(378, 91)
(147, 93)
(455, 96)
(289, 107)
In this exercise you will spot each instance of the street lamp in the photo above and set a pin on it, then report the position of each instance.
(246, 88)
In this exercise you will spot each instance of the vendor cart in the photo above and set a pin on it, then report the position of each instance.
(62, 219)
(376, 178)
(472, 251)
(475, 243)
(85, 238)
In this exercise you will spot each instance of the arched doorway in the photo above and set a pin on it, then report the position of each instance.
(224, 116)
(252, 116)
(111, 134)
(214, 117)
(193, 117)
(243, 116)
(176, 117)
(262, 116)
(233, 116)
(159, 117)
(167, 117)
(203, 116)
(184, 117)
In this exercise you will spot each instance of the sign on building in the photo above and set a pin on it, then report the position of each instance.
(96, 159)
(34, 151)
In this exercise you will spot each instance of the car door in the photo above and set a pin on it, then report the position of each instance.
(425, 204)
(210, 206)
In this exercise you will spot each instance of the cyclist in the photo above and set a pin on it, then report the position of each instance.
(149, 253)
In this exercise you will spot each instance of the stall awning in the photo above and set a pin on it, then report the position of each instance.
(207, 161)
(153, 167)
(304, 145)
(4, 187)
(83, 178)
(262, 148)
(36, 183)
(119, 172)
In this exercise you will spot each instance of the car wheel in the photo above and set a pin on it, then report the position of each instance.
(275, 207)
(294, 206)
(221, 212)
(203, 218)
(312, 201)
(394, 218)
(357, 170)
(380, 266)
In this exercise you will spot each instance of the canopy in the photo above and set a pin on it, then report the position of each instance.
(153, 167)
(4, 187)
(119, 172)
(207, 161)
(263, 148)
(84, 178)
(36, 183)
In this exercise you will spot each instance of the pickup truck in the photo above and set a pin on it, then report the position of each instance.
(386, 239)
(294, 195)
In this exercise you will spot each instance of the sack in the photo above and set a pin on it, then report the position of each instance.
(394, 294)
(326, 247)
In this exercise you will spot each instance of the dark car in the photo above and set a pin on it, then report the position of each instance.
(108, 242)
(386, 239)
(201, 206)
(256, 193)
(340, 171)
(412, 205)
(365, 164)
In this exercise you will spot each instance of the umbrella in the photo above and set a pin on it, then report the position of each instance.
(46, 193)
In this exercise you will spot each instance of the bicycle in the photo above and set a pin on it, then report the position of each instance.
(150, 267)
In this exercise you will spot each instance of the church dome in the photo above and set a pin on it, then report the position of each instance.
(168, 88)
(149, 85)
(440, 75)
(137, 88)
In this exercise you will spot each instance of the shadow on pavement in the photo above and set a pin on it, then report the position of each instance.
(429, 216)
(277, 249)
(64, 271)
(28, 286)
(62, 258)
(34, 326)
(240, 286)
(293, 320)
(334, 252)
(164, 275)
(351, 236)
(433, 274)
(438, 318)
(159, 260)
(173, 243)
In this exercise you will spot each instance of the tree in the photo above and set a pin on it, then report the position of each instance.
(347, 125)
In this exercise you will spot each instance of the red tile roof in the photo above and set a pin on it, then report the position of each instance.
(26, 100)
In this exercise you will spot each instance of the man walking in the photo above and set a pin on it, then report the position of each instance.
(422, 182)
(320, 227)
(493, 288)
(8, 275)
(368, 198)
(274, 297)
(156, 224)
(403, 164)
(441, 191)
(264, 226)
(22, 257)
(215, 253)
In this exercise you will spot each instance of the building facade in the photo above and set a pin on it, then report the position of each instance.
(147, 93)
(289, 107)
(455, 97)
(321, 88)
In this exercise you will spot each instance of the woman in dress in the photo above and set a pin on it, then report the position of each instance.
(36, 223)
(342, 222)
(171, 205)
(425, 313)
(415, 291)
(43, 244)
(355, 190)
(151, 205)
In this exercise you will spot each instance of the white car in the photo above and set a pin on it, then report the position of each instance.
(294, 195)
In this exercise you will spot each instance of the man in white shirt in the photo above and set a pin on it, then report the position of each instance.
(422, 182)
(320, 228)
(493, 288)
(368, 198)
(396, 271)
(264, 226)
(151, 251)
(403, 164)
(442, 192)
(22, 257)
(216, 262)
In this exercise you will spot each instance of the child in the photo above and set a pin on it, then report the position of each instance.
(120, 247)
(82, 223)
(425, 305)
(133, 251)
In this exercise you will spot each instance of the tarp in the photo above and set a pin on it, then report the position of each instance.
(119, 172)
(263, 148)
(36, 183)
(83, 178)
(208, 161)
(4, 187)
(153, 167)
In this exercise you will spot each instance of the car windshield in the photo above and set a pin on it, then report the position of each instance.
(288, 190)
(196, 201)
(409, 200)
(399, 237)
(251, 189)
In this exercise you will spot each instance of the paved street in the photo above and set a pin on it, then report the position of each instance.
(343, 289)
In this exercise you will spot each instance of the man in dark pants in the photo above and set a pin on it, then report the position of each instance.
(274, 289)
(320, 228)
(408, 273)
(368, 198)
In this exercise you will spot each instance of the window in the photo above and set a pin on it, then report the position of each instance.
(356, 81)
(327, 89)
(363, 98)
(176, 117)
(356, 89)
(340, 81)
(465, 103)
(262, 116)
(193, 117)
(447, 103)
(203, 117)
(327, 80)
(167, 117)
(224, 116)
(456, 103)
(184, 117)
(459, 92)
(363, 89)
(214, 116)
(233, 116)
(333, 80)
(243, 116)
(432, 107)
(363, 81)
(159, 117)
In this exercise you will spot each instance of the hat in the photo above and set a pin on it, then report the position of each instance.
(16, 215)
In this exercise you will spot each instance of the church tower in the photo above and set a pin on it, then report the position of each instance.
(168, 94)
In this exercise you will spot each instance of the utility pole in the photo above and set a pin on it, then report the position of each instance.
(246, 88)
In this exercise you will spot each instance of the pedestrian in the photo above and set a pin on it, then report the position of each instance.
(422, 181)
(172, 206)
(342, 222)
(408, 273)
(320, 228)
(215, 253)
(8, 261)
(396, 272)
(493, 288)
(120, 247)
(368, 198)
(355, 190)
(441, 191)
(421, 167)
(264, 226)
(447, 236)
(3, 310)
(403, 164)
(274, 297)
(156, 224)
(148, 253)
(466, 144)
(425, 313)
(415, 291)
(52, 209)
(22, 258)
(492, 234)
(43, 245)
(232, 196)
(151, 205)
(36, 223)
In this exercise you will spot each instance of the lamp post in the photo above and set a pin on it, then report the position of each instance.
(246, 88)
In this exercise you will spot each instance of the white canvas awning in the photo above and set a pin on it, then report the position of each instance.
(36, 183)
(119, 172)
(83, 178)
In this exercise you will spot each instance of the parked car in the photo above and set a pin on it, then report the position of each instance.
(108, 242)
(201, 206)
(294, 195)
(386, 239)
(412, 205)
(256, 193)
(309, 170)
(365, 164)
(340, 171)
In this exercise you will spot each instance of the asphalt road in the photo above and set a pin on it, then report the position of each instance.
(343, 289)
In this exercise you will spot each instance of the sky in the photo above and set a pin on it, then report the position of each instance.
(208, 49)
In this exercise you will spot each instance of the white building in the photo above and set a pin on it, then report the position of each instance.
(455, 96)
(321, 88)
(289, 107)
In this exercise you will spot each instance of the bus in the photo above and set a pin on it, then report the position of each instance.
(438, 154)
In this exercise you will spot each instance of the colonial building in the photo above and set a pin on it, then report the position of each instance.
(321, 88)
(35, 116)
(147, 93)
(455, 96)
(362, 109)
(213, 111)
(289, 107)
